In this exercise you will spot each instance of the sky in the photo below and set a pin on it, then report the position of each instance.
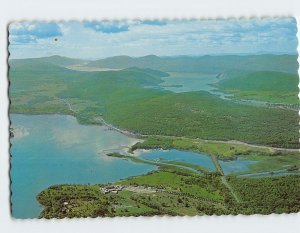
(100, 39)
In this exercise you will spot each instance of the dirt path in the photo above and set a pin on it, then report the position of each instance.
(217, 165)
(125, 132)
(225, 182)
(140, 189)
(252, 145)
(67, 103)
(223, 177)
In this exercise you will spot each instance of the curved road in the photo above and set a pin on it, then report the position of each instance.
(128, 133)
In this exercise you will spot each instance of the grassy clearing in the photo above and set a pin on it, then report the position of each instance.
(267, 159)
(174, 182)
(218, 149)
(164, 164)
(275, 162)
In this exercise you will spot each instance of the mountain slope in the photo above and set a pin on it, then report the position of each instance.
(207, 64)
(46, 61)
(271, 86)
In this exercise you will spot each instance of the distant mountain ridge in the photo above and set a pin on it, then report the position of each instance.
(122, 62)
(209, 64)
(55, 60)
(62, 64)
(206, 63)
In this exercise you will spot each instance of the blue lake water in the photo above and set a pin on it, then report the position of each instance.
(269, 174)
(185, 82)
(236, 166)
(229, 166)
(182, 156)
(55, 149)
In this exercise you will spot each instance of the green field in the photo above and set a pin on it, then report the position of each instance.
(221, 150)
(267, 159)
(273, 162)
(189, 168)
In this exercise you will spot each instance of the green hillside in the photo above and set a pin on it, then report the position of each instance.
(121, 99)
(269, 86)
(201, 115)
(180, 194)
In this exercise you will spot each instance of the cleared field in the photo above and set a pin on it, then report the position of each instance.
(221, 150)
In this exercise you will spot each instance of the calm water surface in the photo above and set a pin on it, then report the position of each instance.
(230, 166)
(182, 156)
(185, 82)
(55, 149)
(235, 166)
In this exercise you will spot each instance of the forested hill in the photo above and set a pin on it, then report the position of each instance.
(206, 64)
(121, 99)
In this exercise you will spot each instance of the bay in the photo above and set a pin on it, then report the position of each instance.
(54, 149)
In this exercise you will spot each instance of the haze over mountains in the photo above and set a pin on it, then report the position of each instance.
(207, 64)
(55, 60)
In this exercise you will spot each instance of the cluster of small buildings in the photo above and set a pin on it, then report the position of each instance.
(67, 207)
(112, 189)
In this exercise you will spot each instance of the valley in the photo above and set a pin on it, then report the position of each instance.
(179, 127)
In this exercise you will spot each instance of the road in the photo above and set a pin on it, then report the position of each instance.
(223, 177)
(128, 133)
(225, 182)
(252, 145)
(214, 159)
(67, 103)
(131, 134)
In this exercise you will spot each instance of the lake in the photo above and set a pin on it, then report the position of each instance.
(181, 156)
(236, 166)
(203, 160)
(186, 82)
(55, 149)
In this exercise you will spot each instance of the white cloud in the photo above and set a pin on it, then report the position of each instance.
(193, 37)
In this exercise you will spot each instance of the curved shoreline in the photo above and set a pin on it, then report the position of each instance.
(101, 121)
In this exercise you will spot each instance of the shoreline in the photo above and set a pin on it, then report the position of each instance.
(70, 116)
(141, 136)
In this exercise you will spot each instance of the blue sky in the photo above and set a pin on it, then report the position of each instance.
(92, 40)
